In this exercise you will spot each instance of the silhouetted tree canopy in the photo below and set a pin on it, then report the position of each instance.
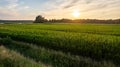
(95, 21)
(40, 19)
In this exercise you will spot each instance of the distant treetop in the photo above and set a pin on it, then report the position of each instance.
(40, 19)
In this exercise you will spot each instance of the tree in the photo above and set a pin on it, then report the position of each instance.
(40, 19)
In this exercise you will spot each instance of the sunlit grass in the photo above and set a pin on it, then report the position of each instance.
(95, 41)
(9, 58)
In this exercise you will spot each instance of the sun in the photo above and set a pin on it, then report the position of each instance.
(76, 13)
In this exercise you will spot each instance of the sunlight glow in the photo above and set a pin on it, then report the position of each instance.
(76, 13)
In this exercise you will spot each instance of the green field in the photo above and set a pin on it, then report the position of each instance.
(63, 45)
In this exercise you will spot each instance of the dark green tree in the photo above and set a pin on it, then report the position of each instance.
(40, 19)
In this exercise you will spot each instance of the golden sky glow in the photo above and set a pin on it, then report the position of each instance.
(57, 9)
(76, 13)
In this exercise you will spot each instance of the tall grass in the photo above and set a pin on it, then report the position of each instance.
(9, 58)
(99, 42)
(51, 57)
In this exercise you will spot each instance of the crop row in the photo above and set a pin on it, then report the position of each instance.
(9, 58)
(54, 58)
(77, 28)
(100, 47)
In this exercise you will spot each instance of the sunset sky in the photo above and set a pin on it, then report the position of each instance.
(88, 9)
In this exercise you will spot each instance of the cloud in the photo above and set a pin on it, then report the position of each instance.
(12, 1)
(14, 5)
(94, 7)
(22, 9)
(12, 10)
(101, 5)
(11, 4)
(89, 1)
(71, 4)
(26, 7)
(8, 14)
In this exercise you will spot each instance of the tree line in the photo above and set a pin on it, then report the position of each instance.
(41, 19)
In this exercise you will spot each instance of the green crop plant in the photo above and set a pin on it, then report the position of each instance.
(96, 41)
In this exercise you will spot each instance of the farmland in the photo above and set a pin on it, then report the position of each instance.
(62, 45)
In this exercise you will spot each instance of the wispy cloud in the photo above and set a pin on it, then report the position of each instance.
(71, 4)
(101, 5)
(12, 4)
(12, 9)
(28, 9)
